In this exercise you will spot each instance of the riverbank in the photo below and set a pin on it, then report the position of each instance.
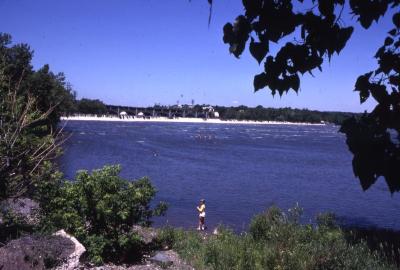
(183, 120)
(276, 240)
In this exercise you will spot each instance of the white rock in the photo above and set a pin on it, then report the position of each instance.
(216, 231)
(73, 259)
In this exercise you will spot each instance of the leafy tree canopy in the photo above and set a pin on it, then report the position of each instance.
(48, 89)
(318, 33)
(91, 106)
(30, 105)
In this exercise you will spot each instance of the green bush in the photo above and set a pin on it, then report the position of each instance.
(326, 220)
(262, 226)
(100, 210)
(276, 240)
(168, 236)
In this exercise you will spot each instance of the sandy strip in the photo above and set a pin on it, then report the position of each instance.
(182, 120)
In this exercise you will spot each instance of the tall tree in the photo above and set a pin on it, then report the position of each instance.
(49, 89)
(318, 33)
(30, 103)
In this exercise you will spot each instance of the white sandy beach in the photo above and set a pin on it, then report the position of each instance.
(180, 120)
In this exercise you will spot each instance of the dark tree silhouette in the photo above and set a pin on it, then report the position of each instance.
(318, 32)
(91, 106)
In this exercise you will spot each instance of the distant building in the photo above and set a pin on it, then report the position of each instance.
(123, 115)
(208, 109)
(210, 112)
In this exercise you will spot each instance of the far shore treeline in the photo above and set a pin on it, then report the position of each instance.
(259, 113)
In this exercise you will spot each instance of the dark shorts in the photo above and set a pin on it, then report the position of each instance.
(201, 219)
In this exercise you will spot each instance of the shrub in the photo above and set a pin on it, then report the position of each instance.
(262, 226)
(168, 236)
(327, 220)
(100, 210)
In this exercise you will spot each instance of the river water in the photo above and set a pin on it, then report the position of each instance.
(239, 170)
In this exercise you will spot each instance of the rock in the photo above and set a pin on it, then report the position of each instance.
(24, 209)
(148, 235)
(162, 259)
(173, 260)
(72, 262)
(172, 256)
(126, 267)
(35, 252)
(216, 231)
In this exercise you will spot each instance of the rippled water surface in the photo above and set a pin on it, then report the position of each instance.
(239, 169)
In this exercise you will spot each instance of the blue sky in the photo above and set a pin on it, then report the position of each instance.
(141, 52)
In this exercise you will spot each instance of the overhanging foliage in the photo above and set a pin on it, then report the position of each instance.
(318, 33)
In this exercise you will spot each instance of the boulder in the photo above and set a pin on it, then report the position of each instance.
(72, 261)
(35, 252)
(25, 210)
(163, 259)
(168, 260)
(59, 251)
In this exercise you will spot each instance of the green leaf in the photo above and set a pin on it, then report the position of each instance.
(396, 19)
(379, 93)
(380, 52)
(362, 85)
(295, 82)
(344, 35)
(228, 33)
(395, 80)
(326, 7)
(260, 81)
(258, 50)
(392, 32)
(388, 41)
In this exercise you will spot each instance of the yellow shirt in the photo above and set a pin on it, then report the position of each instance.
(201, 208)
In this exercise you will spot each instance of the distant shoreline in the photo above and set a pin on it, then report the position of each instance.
(184, 120)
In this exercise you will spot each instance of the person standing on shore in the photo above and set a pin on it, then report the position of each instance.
(202, 215)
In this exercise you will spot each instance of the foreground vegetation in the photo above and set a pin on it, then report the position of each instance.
(98, 208)
(276, 240)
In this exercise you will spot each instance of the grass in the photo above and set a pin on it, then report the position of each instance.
(275, 240)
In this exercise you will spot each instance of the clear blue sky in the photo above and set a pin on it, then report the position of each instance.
(141, 52)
